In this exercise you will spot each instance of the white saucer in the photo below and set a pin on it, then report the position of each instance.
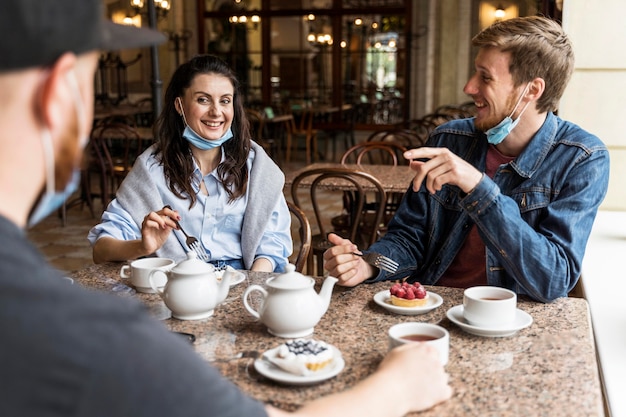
(522, 320)
(383, 299)
(237, 277)
(275, 373)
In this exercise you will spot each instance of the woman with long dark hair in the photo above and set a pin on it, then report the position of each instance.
(218, 184)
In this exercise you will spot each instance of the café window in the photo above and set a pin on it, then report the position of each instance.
(314, 52)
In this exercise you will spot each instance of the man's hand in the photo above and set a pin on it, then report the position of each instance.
(442, 167)
(341, 263)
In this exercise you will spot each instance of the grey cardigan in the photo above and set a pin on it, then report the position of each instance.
(138, 195)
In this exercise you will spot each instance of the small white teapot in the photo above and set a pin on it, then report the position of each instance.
(192, 291)
(290, 307)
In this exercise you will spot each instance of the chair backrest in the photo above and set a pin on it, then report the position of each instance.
(304, 235)
(257, 124)
(116, 146)
(302, 122)
(359, 185)
(386, 153)
(405, 137)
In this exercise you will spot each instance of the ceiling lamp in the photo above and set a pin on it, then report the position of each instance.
(161, 6)
(499, 13)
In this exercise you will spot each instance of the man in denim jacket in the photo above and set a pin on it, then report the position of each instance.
(506, 198)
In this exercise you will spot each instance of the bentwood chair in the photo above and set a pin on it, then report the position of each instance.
(381, 153)
(312, 189)
(115, 148)
(259, 133)
(301, 127)
(304, 236)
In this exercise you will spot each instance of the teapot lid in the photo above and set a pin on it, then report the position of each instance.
(193, 265)
(290, 279)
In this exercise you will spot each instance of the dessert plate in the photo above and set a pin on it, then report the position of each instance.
(383, 299)
(275, 373)
(237, 278)
(522, 320)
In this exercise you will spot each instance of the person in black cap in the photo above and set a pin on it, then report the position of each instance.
(66, 351)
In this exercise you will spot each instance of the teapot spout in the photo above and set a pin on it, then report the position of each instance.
(326, 291)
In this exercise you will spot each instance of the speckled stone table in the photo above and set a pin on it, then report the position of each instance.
(547, 369)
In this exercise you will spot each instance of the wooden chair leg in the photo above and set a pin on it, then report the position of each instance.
(288, 147)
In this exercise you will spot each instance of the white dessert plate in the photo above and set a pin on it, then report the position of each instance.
(522, 320)
(275, 373)
(237, 278)
(383, 299)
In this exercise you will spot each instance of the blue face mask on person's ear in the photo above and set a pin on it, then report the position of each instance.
(51, 199)
(498, 133)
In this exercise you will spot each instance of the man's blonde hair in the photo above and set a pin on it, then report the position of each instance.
(539, 48)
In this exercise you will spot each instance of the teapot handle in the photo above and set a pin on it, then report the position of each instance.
(152, 284)
(248, 291)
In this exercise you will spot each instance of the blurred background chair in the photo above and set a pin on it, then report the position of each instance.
(405, 137)
(301, 127)
(114, 148)
(303, 243)
(313, 189)
(259, 133)
(384, 153)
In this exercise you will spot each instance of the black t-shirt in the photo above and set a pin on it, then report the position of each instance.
(68, 351)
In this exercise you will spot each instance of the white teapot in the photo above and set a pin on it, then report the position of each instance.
(290, 307)
(192, 291)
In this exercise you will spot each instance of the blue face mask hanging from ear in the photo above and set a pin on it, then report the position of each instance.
(198, 141)
(498, 133)
(51, 199)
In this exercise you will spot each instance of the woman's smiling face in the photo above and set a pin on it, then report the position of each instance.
(208, 105)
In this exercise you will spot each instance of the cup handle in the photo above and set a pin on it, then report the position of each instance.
(124, 272)
(152, 284)
(247, 305)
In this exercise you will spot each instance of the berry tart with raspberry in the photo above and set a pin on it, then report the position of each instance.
(408, 295)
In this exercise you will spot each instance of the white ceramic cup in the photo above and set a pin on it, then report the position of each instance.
(489, 307)
(138, 272)
(428, 333)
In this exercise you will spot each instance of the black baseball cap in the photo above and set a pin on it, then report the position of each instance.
(35, 33)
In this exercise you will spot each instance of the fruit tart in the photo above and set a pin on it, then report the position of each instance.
(408, 295)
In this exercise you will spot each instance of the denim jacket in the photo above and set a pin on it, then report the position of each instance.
(534, 216)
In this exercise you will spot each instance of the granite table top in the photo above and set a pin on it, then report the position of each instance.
(546, 369)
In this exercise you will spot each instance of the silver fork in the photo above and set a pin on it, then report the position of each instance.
(379, 261)
(192, 242)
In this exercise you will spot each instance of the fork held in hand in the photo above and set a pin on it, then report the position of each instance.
(379, 261)
(191, 241)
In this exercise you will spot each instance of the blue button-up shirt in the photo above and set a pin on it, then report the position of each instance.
(213, 220)
(534, 216)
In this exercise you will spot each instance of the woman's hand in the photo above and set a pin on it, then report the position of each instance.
(156, 228)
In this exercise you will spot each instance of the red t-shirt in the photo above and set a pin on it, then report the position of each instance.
(468, 268)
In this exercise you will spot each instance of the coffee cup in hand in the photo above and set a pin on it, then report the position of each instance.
(428, 333)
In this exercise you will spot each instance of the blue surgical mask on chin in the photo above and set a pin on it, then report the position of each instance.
(498, 133)
(198, 141)
(51, 200)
